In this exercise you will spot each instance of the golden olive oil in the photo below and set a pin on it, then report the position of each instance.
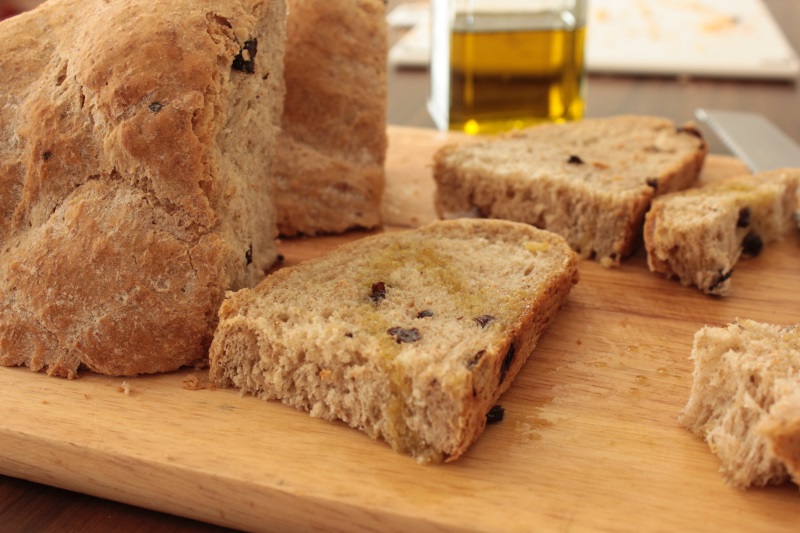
(511, 74)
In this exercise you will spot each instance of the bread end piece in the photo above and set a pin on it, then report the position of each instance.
(330, 167)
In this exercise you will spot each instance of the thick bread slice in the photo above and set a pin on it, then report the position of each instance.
(330, 165)
(590, 181)
(133, 138)
(745, 400)
(698, 235)
(409, 336)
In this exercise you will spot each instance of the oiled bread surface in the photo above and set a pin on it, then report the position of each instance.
(409, 336)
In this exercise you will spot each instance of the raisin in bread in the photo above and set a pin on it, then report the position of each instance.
(698, 235)
(745, 400)
(589, 181)
(409, 336)
(133, 141)
(330, 165)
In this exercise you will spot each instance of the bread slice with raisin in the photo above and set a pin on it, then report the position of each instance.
(745, 400)
(698, 235)
(135, 140)
(330, 164)
(408, 336)
(590, 181)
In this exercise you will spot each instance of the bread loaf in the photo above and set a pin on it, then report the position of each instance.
(135, 138)
(330, 165)
(590, 181)
(409, 336)
(698, 235)
(745, 400)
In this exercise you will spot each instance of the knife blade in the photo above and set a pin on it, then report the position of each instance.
(751, 137)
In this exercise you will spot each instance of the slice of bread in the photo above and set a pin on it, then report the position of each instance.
(409, 336)
(589, 181)
(330, 164)
(698, 235)
(135, 191)
(745, 400)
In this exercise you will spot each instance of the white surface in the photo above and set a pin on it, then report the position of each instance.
(736, 38)
(721, 38)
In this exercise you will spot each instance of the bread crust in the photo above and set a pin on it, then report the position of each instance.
(330, 166)
(130, 209)
(314, 337)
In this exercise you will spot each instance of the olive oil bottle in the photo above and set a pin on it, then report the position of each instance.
(509, 70)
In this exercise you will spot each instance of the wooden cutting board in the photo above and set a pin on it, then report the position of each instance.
(590, 438)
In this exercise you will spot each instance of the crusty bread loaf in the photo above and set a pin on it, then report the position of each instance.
(330, 165)
(409, 336)
(698, 235)
(134, 137)
(589, 181)
(745, 400)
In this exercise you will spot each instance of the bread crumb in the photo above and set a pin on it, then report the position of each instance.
(535, 247)
(45, 402)
(85, 396)
(193, 382)
(607, 262)
(125, 388)
(325, 374)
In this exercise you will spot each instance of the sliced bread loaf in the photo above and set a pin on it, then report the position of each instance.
(134, 136)
(589, 181)
(409, 336)
(330, 165)
(698, 235)
(745, 400)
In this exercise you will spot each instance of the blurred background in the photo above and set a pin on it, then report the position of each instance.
(664, 57)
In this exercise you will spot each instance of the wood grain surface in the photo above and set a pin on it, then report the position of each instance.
(590, 439)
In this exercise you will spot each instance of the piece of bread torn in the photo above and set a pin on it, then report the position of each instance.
(745, 400)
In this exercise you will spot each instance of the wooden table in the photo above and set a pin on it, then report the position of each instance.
(26, 506)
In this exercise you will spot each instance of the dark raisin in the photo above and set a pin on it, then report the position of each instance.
(652, 182)
(507, 362)
(404, 335)
(378, 292)
(47, 155)
(744, 218)
(348, 335)
(574, 160)
(245, 60)
(472, 363)
(155, 107)
(248, 255)
(495, 414)
(752, 245)
(483, 320)
(280, 257)
(721, 278)
(425, 314)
